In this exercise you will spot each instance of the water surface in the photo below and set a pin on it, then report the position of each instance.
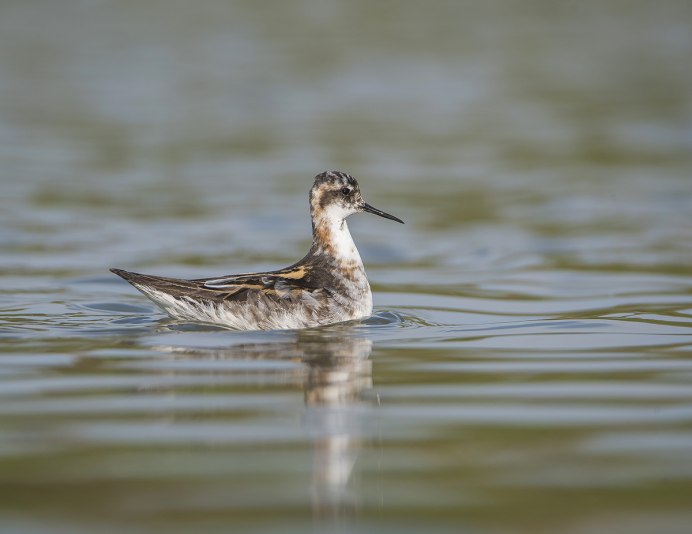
(528, 367)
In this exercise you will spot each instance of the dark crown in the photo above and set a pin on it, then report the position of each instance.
(335, 177)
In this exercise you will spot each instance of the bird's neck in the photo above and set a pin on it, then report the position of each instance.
(331, 237)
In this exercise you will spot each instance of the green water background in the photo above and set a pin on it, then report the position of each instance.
(528, 367)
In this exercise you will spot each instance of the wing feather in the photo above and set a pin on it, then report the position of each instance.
(280, 285)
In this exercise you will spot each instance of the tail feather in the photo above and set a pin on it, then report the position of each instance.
(134, 278)
(173, 286)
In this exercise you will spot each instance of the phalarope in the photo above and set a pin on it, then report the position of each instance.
(327, 286)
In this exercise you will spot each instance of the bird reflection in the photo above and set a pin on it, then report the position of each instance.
(336, 372)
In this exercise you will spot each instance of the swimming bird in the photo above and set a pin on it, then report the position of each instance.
(327, 286)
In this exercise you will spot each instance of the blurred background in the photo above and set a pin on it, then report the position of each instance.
(532, 317)
(532, 115)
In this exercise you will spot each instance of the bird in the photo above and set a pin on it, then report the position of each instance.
(327, 286)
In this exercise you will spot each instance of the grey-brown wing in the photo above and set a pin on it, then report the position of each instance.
(274, 286)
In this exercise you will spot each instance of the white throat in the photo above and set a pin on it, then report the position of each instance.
(333, 236)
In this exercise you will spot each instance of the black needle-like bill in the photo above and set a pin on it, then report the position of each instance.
(370, 209)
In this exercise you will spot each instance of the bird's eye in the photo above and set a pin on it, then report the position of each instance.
(345, 191)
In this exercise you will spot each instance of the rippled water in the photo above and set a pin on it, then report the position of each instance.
(528, 367)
